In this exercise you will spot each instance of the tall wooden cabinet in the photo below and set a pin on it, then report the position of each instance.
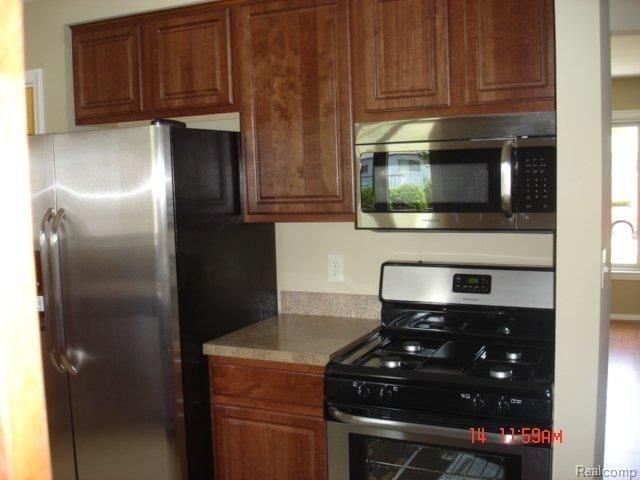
(432, 58)
(296, 109)
(268, 420)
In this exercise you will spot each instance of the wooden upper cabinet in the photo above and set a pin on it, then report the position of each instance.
(401, 54)
(508, 51)
(433, 58)
(106, 69)
(169, 63)
(296, 115)
(188, 60)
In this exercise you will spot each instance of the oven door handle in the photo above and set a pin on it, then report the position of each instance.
(490, 438)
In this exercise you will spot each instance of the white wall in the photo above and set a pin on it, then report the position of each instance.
(582, 49)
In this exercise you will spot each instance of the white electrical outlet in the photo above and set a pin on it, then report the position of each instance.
(335, 268)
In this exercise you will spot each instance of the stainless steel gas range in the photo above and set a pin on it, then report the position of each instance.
(456, 384)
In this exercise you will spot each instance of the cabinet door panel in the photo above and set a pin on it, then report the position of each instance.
(188, 60)
(106, 66)
(401, 53)
(509, 50)
(253, 444)
(296, 108)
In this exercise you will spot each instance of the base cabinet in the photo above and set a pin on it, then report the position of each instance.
(252, 444)
(267, 420)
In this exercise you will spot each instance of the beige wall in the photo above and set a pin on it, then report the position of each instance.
(625, 93)
(625, 297)
(303, 250)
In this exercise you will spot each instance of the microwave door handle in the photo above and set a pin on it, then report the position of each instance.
(506, 200)
(49, 313)
(54, 243)
(491, 438)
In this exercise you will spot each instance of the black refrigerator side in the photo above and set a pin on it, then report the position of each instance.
(226, 269)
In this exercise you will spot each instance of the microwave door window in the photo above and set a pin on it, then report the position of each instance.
(395, 182)
(460, 183)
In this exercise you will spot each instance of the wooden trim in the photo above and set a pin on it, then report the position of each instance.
(266, 364)
(624, 116)
(623, 317)
(24, 442)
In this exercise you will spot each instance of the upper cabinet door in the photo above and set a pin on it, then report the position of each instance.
(106, 70)
(509, 50)
(188, 60)
(296, 120)
(401, 54)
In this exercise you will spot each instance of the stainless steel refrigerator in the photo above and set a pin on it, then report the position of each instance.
(144, 256)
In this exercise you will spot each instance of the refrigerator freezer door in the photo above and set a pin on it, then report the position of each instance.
(117, 258)
(56, 382)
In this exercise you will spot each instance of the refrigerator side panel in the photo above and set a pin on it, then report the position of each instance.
(41, 165)
(226, 269)
(116, 291)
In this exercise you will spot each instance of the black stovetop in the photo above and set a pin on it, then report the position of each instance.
(460, 361)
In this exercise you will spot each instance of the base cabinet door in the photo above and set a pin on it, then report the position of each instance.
(252, 444)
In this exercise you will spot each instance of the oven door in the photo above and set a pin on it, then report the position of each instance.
(436, 185)
(363, 448)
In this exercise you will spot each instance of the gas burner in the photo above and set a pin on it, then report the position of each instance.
(391, 361)
(422, 324)
(514, 355)
(501, 372)
(411, 346)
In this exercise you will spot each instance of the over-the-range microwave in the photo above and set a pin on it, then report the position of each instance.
(495, 172)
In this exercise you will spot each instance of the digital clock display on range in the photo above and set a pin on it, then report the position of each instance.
(467, 283)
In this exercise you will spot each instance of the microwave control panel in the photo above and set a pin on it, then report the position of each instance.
(536, 179)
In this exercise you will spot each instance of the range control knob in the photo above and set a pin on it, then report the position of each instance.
(386, 393)
(478, 403)
(361, 390)
(503, 406)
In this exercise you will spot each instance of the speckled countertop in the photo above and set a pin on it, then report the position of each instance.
(306, 339)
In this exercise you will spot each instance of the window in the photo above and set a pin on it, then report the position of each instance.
(625, 149)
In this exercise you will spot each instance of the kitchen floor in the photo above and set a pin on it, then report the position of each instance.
(622, 447)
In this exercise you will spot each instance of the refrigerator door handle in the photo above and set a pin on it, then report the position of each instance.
(50, 314)
(54, 244)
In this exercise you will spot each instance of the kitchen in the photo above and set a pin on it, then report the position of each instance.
(363, 251)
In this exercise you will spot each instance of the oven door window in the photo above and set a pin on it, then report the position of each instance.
(377, 458)
(465, 180)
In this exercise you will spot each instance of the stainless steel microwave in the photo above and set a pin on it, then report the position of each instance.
(494, 172)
